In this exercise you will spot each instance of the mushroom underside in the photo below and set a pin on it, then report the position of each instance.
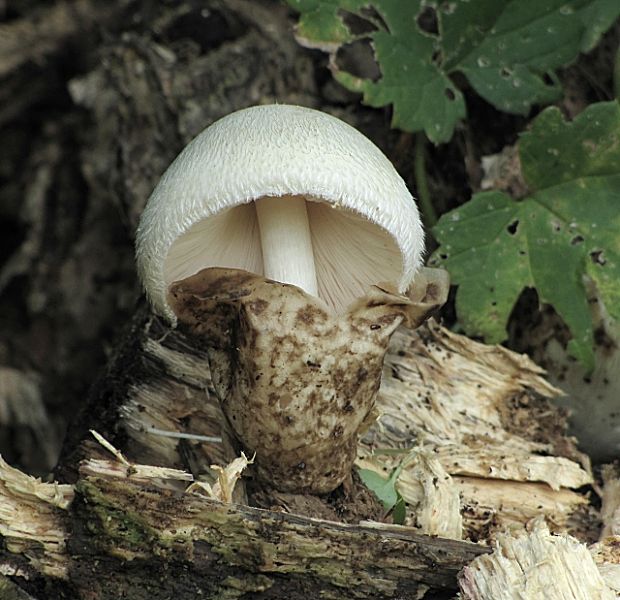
(349, 252)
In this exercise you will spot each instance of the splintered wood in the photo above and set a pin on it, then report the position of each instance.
(482, 416)
(491, 450)
(33, 520)
(610, 509)
(535, 566)
(606, 552)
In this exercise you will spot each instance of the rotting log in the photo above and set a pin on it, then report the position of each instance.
(476, 414)
(227, 547)
(127, 522)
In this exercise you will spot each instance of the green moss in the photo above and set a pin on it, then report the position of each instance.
(119, 529)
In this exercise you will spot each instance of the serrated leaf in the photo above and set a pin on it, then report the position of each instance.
(567, 228)
(434, 104)
(320, 25)
(507, 49)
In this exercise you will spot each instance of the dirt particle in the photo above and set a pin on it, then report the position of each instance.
(361, 375)
(310, 315)
(432, 293)
(258, 306)
(285, 401)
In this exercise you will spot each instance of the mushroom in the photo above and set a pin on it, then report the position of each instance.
(286, 241)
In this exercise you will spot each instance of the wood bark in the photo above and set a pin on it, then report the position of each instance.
(127, 524)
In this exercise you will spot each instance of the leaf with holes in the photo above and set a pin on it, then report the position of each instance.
(568, 228)
(507, 49)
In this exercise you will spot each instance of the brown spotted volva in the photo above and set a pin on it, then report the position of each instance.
(296, 381)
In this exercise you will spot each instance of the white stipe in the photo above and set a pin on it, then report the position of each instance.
(288, 256)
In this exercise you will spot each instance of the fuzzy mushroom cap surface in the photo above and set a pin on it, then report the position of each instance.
(364, 224)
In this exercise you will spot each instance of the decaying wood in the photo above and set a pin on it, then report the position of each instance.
(145, 519)
(606, 554)
(480, 411)
(158, 380)
(453, 408)
(610, 509)
(484, 413)
(33, 520)
(536, 566)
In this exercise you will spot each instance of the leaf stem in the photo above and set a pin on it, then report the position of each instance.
(421, 181)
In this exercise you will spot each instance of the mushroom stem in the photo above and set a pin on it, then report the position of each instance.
(288, 256)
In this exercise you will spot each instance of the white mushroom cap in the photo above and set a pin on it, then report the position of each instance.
(202, 214)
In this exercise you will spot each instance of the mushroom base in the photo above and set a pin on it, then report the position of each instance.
(296, 382)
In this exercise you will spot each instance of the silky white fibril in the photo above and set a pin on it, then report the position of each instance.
(218, 205)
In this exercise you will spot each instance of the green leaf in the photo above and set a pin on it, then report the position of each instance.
(380, 486)
(555, 151)
(400, 511)
(433, 104)
(319, 23)
(597, 17)
(507, 49)
(385, 488)
(567, 228)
